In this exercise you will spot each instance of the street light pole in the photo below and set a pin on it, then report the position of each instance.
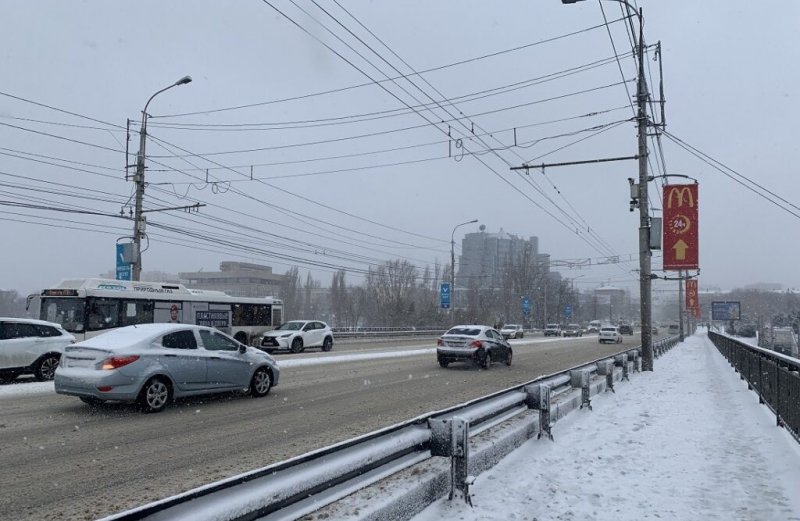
(645, 278)
(453, 263)
(138, 178)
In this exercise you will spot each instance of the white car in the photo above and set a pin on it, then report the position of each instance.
(296, 335)
(512, 331)
(31, 347)
(609, 334)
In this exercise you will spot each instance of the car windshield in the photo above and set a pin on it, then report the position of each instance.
(465, 331)
(510, 326)
(552, 326)
(291, 326)
(573, 326)
(609, 329)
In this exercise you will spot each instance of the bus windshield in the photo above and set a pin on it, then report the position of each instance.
(69, 312)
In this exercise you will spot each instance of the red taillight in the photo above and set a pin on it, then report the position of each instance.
(476, 344)
(105, 388)
(440, 342)
(116, 362)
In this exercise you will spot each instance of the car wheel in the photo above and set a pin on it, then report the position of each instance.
(522, 335)
(261, 382)
(297, 345)
(443, 363)
(509, 357)
(327, 344)
(91, 400)
(46, 369)
(155, 395)
(487, 360)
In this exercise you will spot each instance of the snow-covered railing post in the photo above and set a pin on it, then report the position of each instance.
(450, 437)
(580, 378)
(606, 368)
(622, 360)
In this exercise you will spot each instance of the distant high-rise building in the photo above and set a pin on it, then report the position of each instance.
(486, 256)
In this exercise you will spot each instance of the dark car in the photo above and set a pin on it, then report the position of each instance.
(625, 329)
(480, 345)
(573, 330)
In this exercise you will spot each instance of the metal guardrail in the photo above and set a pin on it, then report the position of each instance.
(309, 482)
(773, 376)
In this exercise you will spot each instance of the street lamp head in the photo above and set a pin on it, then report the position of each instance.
(184, 80)
(473, 221)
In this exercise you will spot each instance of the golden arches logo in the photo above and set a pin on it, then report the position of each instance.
(679, 193)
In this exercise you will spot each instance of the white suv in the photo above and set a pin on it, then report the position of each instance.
(296, 335)
(31, 346)
(609, 334)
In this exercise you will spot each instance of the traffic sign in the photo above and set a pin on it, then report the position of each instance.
(730, 310)
(526, 305)
(123, 268)
(568, 311)
(681, 240)
(444, 295)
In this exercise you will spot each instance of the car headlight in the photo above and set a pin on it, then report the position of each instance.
(287, 335)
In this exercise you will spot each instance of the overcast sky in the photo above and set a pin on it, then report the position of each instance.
(730, 80)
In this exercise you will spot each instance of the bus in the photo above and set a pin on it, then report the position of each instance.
(89, 307)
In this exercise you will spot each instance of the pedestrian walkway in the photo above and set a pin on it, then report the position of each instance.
(685, 442)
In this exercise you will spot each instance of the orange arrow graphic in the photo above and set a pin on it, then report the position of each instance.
(680, 250)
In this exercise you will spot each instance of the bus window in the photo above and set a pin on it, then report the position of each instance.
(137, 312)
(103, 313)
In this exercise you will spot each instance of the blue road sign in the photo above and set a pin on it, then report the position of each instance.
(526, 305)
(444, 295)
(568, 311)
(123, 268)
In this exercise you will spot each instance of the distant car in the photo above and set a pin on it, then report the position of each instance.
(625, 329)
(512, 331)
(609, 334)
(154, 363)
(654, 330)
(297, 335)
(747, 330)
(31, 347)
(573, 330)
(553, 330)
(480, 345)
(594, 326)
(673, 329)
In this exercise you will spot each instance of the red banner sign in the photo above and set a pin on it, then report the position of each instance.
(680, 243)
(691, 294)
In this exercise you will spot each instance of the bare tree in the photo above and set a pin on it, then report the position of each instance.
(291, 294)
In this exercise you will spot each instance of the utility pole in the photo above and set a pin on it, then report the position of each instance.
(645, 279)
(681, 312)
(138, 178)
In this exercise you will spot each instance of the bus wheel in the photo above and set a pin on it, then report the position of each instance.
(241, 337)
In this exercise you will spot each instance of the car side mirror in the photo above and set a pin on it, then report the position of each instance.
(242, 348)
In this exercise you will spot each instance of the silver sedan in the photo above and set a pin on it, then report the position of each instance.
(153, 363)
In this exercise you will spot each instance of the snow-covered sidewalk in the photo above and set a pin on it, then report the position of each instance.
(686, 442)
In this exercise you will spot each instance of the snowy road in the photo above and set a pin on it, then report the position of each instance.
(62, 458)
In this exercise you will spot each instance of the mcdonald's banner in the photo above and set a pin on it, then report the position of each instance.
(692, 301)
(680, 245)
